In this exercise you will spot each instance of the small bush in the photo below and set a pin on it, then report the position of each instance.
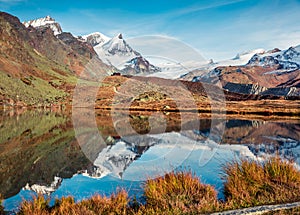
(250, 183)
(39, 206)
(67, 206)
(115, 204)
(179, 193)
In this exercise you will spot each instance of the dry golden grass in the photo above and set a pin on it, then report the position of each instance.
(180, 192)
(247, 183)
(38, 206)
(250, 183)
(115, 204)
(67, 205)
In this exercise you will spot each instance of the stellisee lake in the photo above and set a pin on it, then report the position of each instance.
(59, 154)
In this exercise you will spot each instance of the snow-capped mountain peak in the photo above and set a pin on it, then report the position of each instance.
(285, 61)
(116, 52)
(120, 36)
(45, 22)
(118, 46)
(96, 38)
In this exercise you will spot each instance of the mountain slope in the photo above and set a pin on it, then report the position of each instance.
(36, 67)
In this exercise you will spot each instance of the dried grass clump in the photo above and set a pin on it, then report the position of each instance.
(180, 192)
(38, 206)
(250, 183)
(247, 183)
(115, 204)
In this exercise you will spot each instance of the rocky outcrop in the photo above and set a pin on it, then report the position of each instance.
(139, 65)
(282, 91)
(80, 47)
(245, 88)
(260, 90)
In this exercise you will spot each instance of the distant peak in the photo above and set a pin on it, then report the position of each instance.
(120, 36)
(49, 18)
(47, 21)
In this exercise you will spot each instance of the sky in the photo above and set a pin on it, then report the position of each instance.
(217, 29)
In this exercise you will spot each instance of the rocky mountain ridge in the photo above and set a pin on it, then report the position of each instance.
(274, 72)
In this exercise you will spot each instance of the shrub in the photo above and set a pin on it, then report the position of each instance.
(179, 193)
(250, 183)
(39, 206)
(67, 206)
(115, 204)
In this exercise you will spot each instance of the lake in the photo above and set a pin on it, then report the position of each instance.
(60, 154)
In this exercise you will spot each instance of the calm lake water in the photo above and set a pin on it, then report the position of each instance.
(60, 155)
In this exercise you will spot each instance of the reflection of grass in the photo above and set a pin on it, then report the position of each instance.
(34, 122)
(247, 183)
(34, 148)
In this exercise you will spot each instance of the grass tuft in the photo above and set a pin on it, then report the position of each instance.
(38, 206)
(180, 192)
(115, 204)
(67, 205)
(250, 183)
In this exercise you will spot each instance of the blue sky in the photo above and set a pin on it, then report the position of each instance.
(218, 29)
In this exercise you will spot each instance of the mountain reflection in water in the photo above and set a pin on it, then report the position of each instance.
(39, 151)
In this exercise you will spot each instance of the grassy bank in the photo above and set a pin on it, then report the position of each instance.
(247, 183)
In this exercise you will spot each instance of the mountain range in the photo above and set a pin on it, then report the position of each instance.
(40, 64)
(273, 72)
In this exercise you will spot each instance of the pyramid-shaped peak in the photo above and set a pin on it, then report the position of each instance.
(120, 36)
